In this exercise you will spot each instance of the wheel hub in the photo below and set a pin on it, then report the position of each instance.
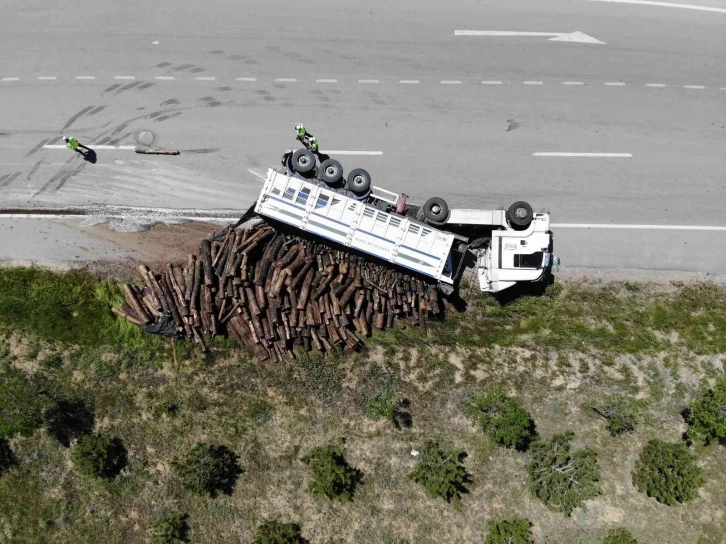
(521, 213)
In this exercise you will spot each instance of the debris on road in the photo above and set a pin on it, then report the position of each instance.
(156, 151)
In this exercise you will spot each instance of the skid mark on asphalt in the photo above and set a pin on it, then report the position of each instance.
(96, 110)
(320, 95)
(197, 69)
(146, 85)
(7, 179)
(75, 117)
(119, 128)
(216, 52)
(127, 87)
(223, 89)
(39, 146)
(115, 141)
(69, 175)
(265, 95)
(182, 67)
(33, 170)
(376, 99)
(162, 65)
(58, 175)
(167, 117)
(170, 102)
(112, 88)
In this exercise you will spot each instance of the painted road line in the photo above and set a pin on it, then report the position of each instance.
(694, 87)
(339, 152)
(533, 83)
(573, 82)
(106, 147)
(286, 80)
(491, 82)
(657, 85)
(326, 81)
(205, 78)
(46, 78)
(614, 84)
(410, 81)
(124, 77)
(11, 79)
(364, 81)
(245, 79)
(568, 154)
(165, 78)
(451, 82)
(576, 36)
(634, 227)
(85, 77)
(664, 5)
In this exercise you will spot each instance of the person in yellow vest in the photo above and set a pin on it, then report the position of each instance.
(74, 144)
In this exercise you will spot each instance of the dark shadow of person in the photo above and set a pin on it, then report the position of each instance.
(89, 155)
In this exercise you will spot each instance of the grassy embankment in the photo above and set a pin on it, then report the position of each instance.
(560, 353)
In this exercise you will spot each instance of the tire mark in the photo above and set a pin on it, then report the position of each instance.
(167, 117)
(163, 65)
(127, 87)
(97, 110)
(52, 180)
(5, 134)
(170, 102)
(216, 52)
(182, 67)
(102, 141)
(39, 146)
(33, 170)
(115, 141)
(75, 117)
(197, 70)
(217, 89)
(200, 151)
(8, 179)
(119, 128)
(112, 88)
(69, 175)
(146, 85)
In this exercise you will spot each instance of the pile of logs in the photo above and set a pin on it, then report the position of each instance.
(273, 291)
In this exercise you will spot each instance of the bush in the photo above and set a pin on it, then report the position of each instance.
(207, 469)
(99, 455)
(170, 529)
(561, 479)
(21, 406)
(667, 472)
(706, 417)
(383, 405)
(69, 419)
(7, 458)
(509, 531)
(440, 472)
(275, 532)
(505, 419)
(331, 475)
(619, 536)
(621, 415)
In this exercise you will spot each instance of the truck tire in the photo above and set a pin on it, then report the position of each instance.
(330, 171)
(436, 210)
(359, 181)
(303, 161)
(520, 214)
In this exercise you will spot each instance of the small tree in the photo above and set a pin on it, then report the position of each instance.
(706, 417)
(509, 531)
(619, 535)
(170, 529)
(69, 419)
(667, 472)
(621, 415)
(275, 532)
(21, 406)
(505, 419)
(207, 469)
(7, 458)
(331, 475)
(440, 472)
(562, 479)
(99, 455)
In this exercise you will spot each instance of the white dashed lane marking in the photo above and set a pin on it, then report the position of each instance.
(657, 85)
(491, 82)
(11, 79)
(86, 77)
(573, 83)
(205, 78)
(634, 227)
(368, 81)
(164, 78)
(326, 81)
(124, 77)
(47, 78)
(614, 84)
(409, 81)
(694, 87)
(285, 80)
(245, 79)
(532, 83)
(568, 154)
(451, 82)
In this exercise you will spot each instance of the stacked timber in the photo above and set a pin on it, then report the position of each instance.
(272, 291)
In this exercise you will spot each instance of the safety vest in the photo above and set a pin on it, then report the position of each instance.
(72, 143)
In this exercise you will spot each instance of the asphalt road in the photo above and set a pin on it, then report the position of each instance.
(226, 84)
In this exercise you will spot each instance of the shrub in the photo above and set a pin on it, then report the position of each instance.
(207, 469)
(440, 472)
(505, 419)
(509, 531)
(331, 475)
(7, 458)
(21, 406)
(69, 419)
(170, 529)
(99, 455)
(667, 472)
(619, 535)
(383, 405)
(562, 479)
(706, 417)
(621, 415)
(275, 532)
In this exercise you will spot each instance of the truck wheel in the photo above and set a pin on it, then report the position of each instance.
(520, 214)
(303, 161)
(436, 210)
(359, 181)
(331, 171)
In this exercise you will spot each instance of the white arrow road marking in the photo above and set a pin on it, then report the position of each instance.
(641, 227)
(559, 154)
(575, 37)
(665, 5)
